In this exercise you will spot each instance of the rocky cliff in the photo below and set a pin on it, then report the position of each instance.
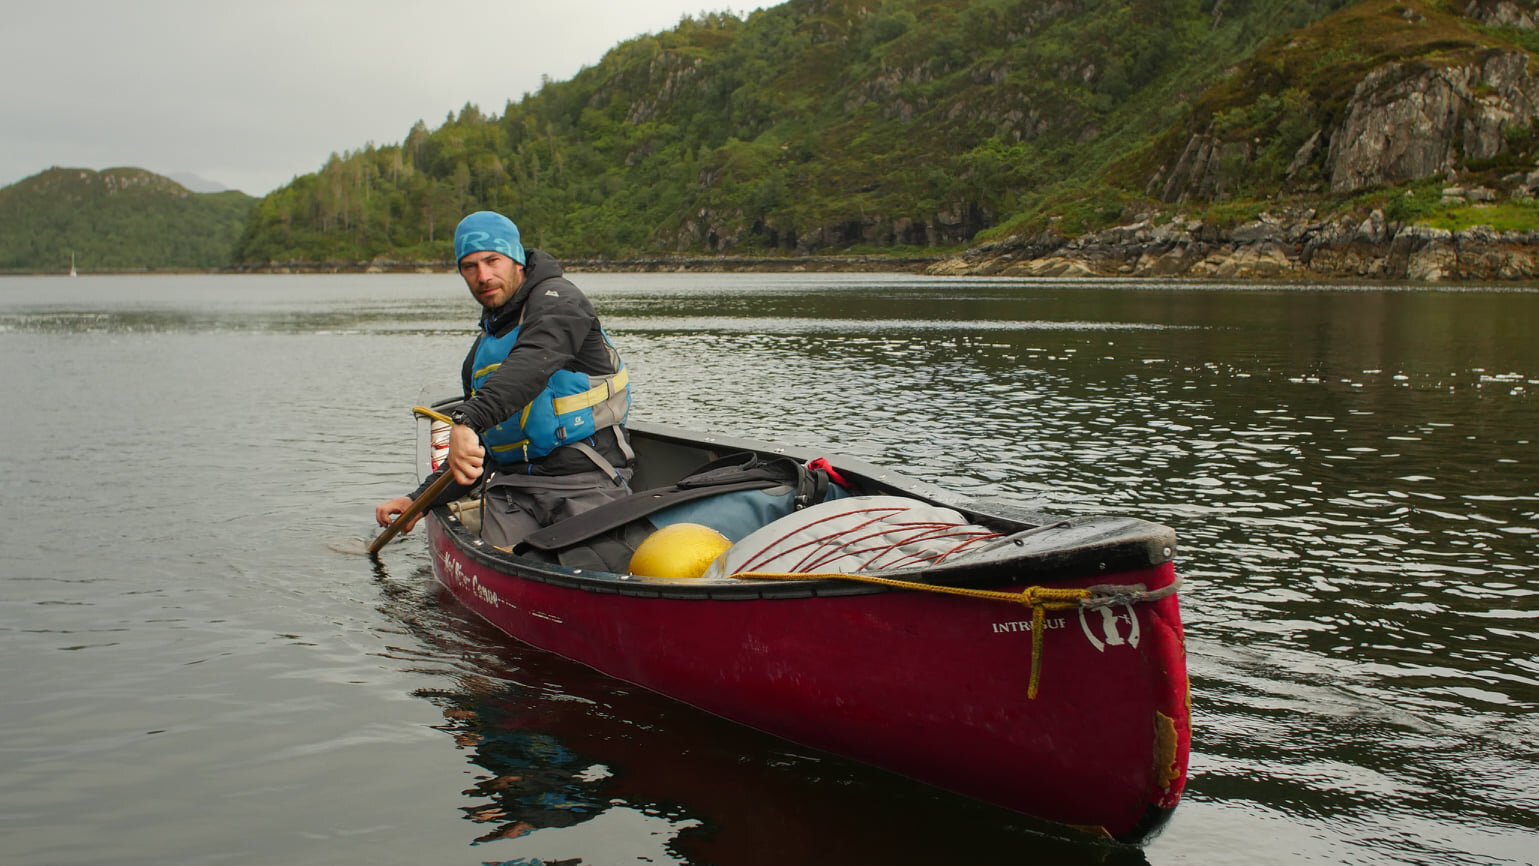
(1421, 110)
(1403, 122)
(1408, 121)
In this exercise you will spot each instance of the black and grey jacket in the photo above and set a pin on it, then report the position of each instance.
(558, 329)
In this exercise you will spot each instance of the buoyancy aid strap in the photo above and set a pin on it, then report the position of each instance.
(598, 460)
(608, 413)
(625, 444)
(607, 387)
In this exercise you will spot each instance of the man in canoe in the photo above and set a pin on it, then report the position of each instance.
(546, 395)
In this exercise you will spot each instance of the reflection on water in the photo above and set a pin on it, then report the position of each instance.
(570, 763)
(1350, 472)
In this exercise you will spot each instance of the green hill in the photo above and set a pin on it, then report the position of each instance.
(995, 128)
(114, 220)
(813, 126)
(1382, 105)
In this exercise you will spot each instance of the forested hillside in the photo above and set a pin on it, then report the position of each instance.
(989, 131)
(816, 125)
(117, 219)
(857, 125)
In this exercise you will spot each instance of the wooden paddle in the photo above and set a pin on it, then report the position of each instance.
(417, 506)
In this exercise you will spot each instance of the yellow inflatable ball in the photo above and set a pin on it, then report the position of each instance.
(678, 550)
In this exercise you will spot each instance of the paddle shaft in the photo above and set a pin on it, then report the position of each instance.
(417, 506)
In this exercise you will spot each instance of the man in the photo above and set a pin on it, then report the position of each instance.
(546, 395)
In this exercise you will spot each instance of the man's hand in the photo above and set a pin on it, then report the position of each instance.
(386, 512)
(465, 454)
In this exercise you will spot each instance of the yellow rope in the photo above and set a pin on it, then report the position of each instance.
(1040, 599)
(436, 416)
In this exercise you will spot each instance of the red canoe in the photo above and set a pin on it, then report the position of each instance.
(931, 677)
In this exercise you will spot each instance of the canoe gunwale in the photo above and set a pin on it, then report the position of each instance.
(1102, 546)
(1052, 567)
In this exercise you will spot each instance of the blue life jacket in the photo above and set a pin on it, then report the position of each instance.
(572, 407)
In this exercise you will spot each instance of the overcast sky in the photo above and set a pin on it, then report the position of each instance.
(251, 94)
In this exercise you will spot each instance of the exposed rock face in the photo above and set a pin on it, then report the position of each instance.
(1500, 13)
(1404, 123)
(1290, 247)
(1201, 172)
(668, 75)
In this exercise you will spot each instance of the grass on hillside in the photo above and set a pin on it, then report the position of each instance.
(1502, 216)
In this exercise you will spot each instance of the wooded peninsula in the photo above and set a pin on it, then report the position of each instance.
(1198, 138)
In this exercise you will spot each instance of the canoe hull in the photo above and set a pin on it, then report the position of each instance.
(929, 686)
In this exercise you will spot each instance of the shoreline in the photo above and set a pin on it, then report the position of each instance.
(1266, 249)
(649, 264)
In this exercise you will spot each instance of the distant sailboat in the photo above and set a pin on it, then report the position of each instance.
(72, 263)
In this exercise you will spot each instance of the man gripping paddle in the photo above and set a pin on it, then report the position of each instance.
(541, 428)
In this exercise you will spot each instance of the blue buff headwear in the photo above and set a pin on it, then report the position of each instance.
(487, 230)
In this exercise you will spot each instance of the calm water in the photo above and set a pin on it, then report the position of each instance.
(193, 673)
